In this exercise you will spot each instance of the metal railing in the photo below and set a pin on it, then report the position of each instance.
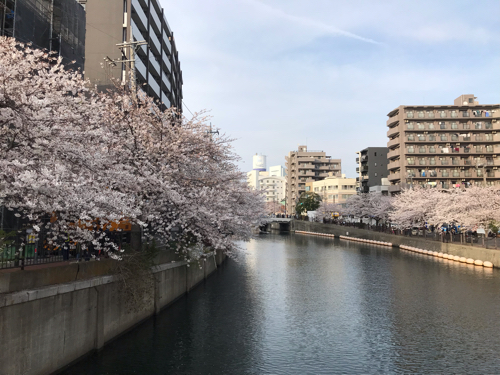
(465, 238)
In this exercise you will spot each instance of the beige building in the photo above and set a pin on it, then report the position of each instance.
(303, 166)
(444, 145)
(333, 189)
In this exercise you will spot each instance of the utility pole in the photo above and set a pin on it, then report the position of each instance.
(128, 58)
(212, 132)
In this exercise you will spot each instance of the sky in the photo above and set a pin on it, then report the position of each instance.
(276, 74)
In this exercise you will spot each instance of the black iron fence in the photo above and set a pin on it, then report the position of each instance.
(465, 237)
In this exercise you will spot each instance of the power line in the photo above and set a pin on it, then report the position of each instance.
(187, 108)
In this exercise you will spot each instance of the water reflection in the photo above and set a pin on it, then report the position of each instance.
(297, 304)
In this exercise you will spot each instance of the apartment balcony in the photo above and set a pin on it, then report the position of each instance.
(166, 63)
(393, 142)
(140, 68)
(393, 153)
(166, 43)
(394, 164)
(306, 174)
(154, 44)
(395, 176)
(139, 16)
(166, 82)
(306, 166)
(156, 24)
(392, 120)
(393, 131)
(328, 168)
(154, 85)
(154, 67)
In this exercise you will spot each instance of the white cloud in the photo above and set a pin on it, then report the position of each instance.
(276, 76)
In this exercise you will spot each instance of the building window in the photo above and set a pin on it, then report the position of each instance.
(420, 114)
(465, 114)
(374, 154)
(376, 174)
(454, 125)
(430, 114)
(409, 126)
(420, 125)
(409, 114)
(375, 164)
(471, 100)
(442, 113)
(431, 125)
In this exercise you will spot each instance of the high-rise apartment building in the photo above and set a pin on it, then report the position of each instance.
(302, 166)
(372, 167)
(157, 67)
(444, 145)
(53, 25)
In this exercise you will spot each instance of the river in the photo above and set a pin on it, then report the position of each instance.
(297, 304)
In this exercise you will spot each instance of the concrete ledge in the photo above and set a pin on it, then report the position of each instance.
(490, 255)
(9, 299)
(167, 266)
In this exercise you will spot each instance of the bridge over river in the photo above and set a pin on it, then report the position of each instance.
(276, 223)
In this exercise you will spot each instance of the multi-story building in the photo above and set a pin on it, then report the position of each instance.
(333, 189)
(56, 25)
(372, 167)
(156, 65)
(302, 166)
(444, 145)
(274, 187)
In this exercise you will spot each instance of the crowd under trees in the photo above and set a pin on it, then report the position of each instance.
(470, 208)
(74, 160)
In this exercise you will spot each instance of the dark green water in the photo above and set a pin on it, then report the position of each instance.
(294, 304)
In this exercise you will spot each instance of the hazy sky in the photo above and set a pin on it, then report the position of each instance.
(279, 73)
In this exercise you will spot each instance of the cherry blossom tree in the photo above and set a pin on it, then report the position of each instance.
(325, 210)
(379, 206)
(90, 159)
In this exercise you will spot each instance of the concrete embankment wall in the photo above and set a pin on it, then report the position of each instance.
(44, 329)
(474, 252)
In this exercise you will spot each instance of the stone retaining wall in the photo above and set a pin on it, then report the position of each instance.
(45, 329)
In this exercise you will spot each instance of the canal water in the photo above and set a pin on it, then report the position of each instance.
(296, 304)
